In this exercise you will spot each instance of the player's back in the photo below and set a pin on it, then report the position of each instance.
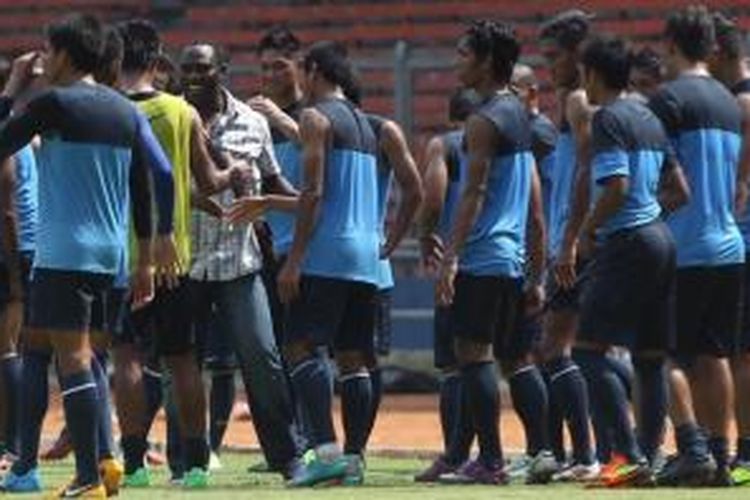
(703, 121)
(171, 119)
(85, 161)
(345, 244)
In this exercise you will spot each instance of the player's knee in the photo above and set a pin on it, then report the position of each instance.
(296, 352)
(351, 361)
(468, 352)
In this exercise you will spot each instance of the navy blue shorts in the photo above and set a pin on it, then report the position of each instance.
(333, 312)
(709, 302)
(627, 299)
(745, 334)
(486, 310)
(27, 260)
(383, 305)
(559, 299)
(443, 343)
(68, 300)
(167, 321)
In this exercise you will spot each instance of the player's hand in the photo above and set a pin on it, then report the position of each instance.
(432, 249)
(267, 108)
(241, 178)
(445, 286)
(141, 286)
(12, 319)
(247, 209)
(209, 205)
(534, 301)
(288, 282)
(22, 73)
(740, 199)
(167, 262)
(565, 266)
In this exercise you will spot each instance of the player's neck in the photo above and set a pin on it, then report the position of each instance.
(609, 96)
(288, 99)
(75, 77)
(329, 93)
(692, 68)
(136, 83)
(489, 87)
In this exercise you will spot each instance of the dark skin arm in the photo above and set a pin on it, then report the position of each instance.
(674, 190)
(396, 149)
(480, 138)
(10, 226)
(614, 193)
(314, 134)
(435, 182)
(579, 114)
(536, 245)
(208, 178)
(743, 170)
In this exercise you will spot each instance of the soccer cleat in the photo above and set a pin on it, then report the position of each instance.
(541, 468)
(30, 482)
(684, 470)
(141, 478)
(91, 491)
(518, 468)
(621, 473)
(6, 462)
(577, 472)
(741, 474)
(355, 472)
(320, 471)
(111, 472)
(475, 472)
(436, 469)
(214, 462)
(195, 479)
(722, 478)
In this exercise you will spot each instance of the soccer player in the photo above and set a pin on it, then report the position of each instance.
(704, 122)
(482, 272)
(330, 275)
(442, 172)
(561, 38)
(394, 160)
(647, 73)
(180, 131)
(627, 299)
(226, 264)
(82, 223)
(729, 65)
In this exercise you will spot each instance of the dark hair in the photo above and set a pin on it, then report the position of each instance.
(609, 57)
(111, 62)
(221, 55)
(280, 38)
(692, 31)
(142, 44)
(567, 29)
(462, 104)
(330, 59)
(648, 61)
(82, 37)
(729, 37)
(497, 41)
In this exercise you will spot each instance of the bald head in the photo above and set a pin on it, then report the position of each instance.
(526, 86)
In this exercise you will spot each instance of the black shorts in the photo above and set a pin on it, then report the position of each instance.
(708, 315)
(628, 296)
(485, 309)
(68, 300)
(167, 321)
(745, 334)
(335, 312)
(27, 260)
(560, 299)
(382, 332)
(443, 343)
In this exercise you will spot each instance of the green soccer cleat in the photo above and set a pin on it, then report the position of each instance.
(355, 471)
(741, 474)
(141, 478)
(320, 471)
(195, 479)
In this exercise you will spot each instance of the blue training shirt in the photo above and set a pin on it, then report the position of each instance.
(346, 241)
(455, 160)
(497, 243)
(561, 177)
(289, 155)
(743, 87)
(628, 140)
(26, 198)
(543, 143)
(89, 150)
(385, 179)
(703, 121)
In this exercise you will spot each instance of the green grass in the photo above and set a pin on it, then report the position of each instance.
(387, 478)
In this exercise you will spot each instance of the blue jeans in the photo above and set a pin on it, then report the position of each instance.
(243, 316)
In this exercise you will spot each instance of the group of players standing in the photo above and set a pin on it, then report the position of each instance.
(555, 250)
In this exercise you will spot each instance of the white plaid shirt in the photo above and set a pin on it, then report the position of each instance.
(223, 252)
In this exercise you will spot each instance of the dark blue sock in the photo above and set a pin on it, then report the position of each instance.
(313, 385)
(33, 407)
(603, 435)
(743, 449)
(376, 381)
(691, 441)
(450, 406)
(175, 441)
(607, 385)
(719, 448)
(569, 392)
(221, 404)
(356, 407)
(104, 427)
(152, 384)
(133, 450)
(480, 383)
(196, 453)
(654, 396)
(11, 373)
(555, 421)
(80, 400)
(462, 435)
(531, 402)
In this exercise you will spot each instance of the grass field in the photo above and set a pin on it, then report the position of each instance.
(387, 478)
